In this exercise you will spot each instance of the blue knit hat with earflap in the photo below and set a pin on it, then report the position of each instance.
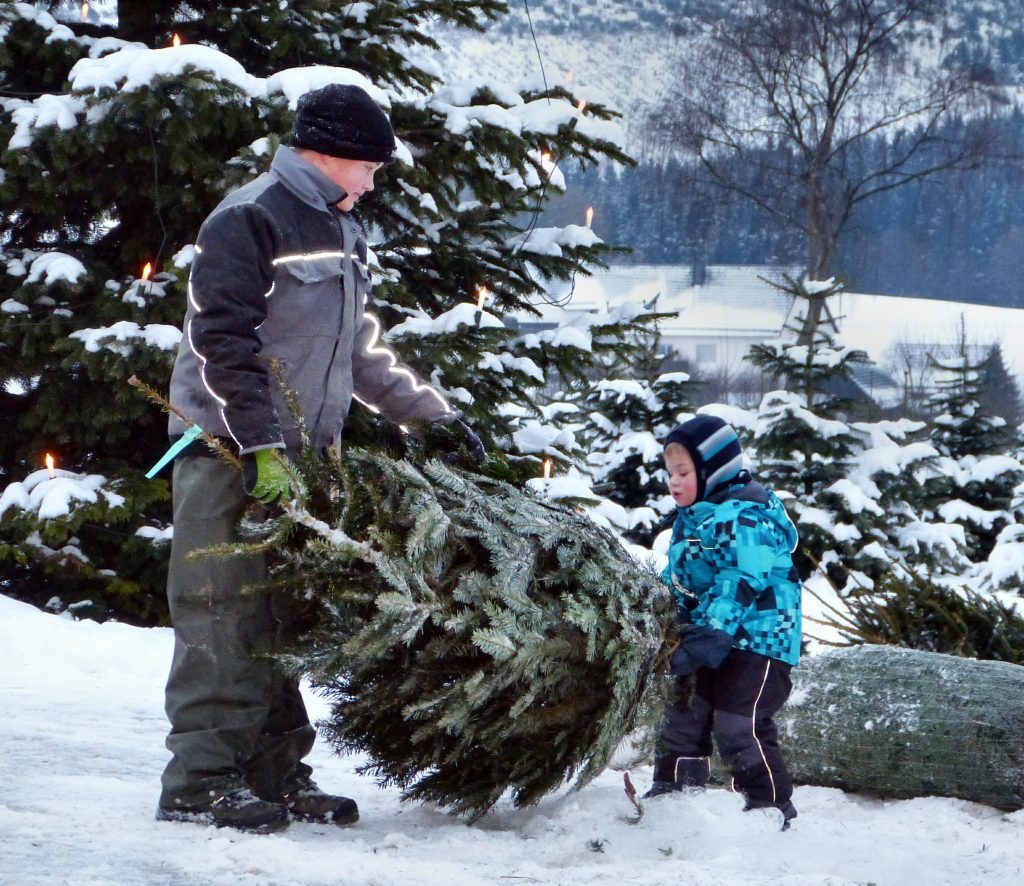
(715, 449)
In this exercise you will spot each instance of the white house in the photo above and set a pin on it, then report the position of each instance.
(721, 310)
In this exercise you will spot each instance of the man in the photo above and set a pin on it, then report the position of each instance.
(280, 274)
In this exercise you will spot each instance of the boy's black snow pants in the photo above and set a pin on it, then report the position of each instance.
(734, 703)
(236, 719)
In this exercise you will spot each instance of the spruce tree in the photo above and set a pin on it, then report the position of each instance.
(858, 489)
(978, 475)
(113, 152)
(882, 506)
(960, 425)
(627, 420)
(803, 443)
(906, 608)
(1000, 389)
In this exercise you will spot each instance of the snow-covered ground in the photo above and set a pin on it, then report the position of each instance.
(81, 745)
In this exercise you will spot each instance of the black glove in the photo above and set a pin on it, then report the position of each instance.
(473, 442)
(700, 647)
(681, 664)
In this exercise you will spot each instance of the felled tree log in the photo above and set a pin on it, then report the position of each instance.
(900, 723)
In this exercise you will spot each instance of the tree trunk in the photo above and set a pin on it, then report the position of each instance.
(820, 249)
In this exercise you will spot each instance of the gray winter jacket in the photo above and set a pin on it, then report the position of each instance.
(280, 273)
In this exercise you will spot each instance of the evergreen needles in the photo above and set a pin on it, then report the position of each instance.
(479, 639)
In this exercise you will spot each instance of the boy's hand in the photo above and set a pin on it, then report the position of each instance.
(700, 647)
(265, 476)
(681, 664)
(474, 446)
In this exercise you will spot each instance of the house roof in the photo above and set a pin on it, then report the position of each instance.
(731, 300)
(872, 382)
(736, 300)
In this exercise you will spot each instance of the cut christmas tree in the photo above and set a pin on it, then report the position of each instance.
(473, 637)
(905, 723)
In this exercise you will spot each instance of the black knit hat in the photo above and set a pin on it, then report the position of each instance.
(343, 121)
(715, 450)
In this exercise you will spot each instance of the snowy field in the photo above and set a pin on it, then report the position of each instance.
(81, 740)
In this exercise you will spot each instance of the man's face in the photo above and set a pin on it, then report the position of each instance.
(354, 176)
(682, 475)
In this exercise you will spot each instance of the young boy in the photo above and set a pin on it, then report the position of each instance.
(731, 569)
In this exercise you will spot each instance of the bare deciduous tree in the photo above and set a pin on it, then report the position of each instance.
(778, 100)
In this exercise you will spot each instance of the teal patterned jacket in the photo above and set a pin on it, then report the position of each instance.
(731, 567)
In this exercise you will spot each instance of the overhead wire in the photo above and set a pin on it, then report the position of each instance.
(538, 208)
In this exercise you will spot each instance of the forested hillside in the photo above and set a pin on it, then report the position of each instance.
(956, 235)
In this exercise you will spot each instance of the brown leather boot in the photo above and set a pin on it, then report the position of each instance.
(309, 803)
(239, 808)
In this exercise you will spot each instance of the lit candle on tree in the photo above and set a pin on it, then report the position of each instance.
(481, 296)
(49, 466)
(579, 114)
(590, 215)
(547, 469)
(85, 12)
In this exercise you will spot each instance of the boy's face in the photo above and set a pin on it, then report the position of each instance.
(682, 475)
(354, 176)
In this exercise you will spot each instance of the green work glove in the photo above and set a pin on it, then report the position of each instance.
(265, 476)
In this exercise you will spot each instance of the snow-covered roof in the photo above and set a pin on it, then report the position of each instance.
(736, 300)
(718, 300)
(746, 286)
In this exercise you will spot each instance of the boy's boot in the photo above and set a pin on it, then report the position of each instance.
(786, 807)
(676, 774)
(236, 807)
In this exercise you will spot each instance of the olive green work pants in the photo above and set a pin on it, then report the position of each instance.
(236, 719)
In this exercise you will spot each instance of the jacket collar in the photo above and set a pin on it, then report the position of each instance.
(750, 492)
(304, 180)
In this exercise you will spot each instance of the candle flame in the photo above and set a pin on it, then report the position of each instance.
(85, 12)
(176, 40)
(147, 269)
(547, 469)
(581, 106)
(481, 295)
(545, 158)
(590, 215)
(49, 465)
